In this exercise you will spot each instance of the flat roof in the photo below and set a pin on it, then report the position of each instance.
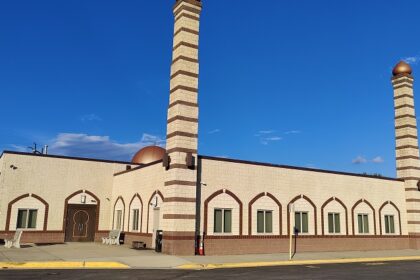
(138, 167)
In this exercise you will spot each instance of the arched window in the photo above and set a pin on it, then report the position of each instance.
(305, 215)
(29, 212)
(264, 215)
(135, 214)
(223, 214)
(334, 217)
(390, 219)
(363, 218)
(119, 214)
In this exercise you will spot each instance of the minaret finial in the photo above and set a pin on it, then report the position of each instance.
(402, 68)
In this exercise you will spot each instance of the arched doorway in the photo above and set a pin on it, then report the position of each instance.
(81, 214)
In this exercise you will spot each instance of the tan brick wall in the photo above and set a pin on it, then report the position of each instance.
(54, 179)
(141, 183)
(246, 181)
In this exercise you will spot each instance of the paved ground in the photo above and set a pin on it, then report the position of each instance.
(149, 259)
(91, 252)
(391, 270)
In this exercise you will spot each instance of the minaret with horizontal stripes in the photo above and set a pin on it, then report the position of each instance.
(179, 209)
(407, 148)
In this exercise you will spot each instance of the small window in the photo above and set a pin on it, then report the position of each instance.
(135, 223)
(118, 223)
(334, 222)
(363, 221)
(264, 221)
(389, 224)
(223, 220)
(301, 222)
(27, 218)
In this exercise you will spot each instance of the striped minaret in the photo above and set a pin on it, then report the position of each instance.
(407, 148)
(179, 210)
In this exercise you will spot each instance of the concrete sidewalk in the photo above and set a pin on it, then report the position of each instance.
(94, 252)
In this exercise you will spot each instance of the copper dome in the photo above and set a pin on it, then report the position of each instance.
(402, 68)
(148, 154)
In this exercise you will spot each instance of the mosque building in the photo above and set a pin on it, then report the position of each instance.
(234, 206)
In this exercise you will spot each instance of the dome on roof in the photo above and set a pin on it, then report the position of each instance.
(149, 154)
(402, 68)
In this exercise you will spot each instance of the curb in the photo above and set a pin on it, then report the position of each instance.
(62, 265)
(197, 266)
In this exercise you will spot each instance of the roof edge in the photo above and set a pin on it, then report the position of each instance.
(137, 168)
(67, 157)
(298, 168)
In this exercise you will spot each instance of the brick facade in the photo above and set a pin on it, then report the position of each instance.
(181, 193)
(272, 244)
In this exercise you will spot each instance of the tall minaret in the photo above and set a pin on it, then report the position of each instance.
(179, 210)
(407, 148)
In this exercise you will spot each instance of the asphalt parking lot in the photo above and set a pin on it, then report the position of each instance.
(386, 270)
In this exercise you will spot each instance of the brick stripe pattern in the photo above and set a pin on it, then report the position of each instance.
(179, 209)
(407, 149)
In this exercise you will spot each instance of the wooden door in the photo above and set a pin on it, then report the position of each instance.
(80, 223)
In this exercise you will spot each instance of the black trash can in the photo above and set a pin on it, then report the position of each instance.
(158, 241)
(122, 238)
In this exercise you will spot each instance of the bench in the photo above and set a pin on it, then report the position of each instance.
(113, 238)
(15, 242)
(138, 245)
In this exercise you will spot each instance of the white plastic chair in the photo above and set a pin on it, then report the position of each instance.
(113, 238)
(15, 242)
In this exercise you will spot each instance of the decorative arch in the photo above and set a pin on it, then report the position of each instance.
(141, 213)
(98, 204)
(157, 192)
(322, 213)
(10, 205)
(380, 215)
(310, 202)
(255, 200)
(113, 212)
(373, 211)
(215, 194)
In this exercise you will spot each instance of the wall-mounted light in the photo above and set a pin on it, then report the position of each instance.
(83, 198)
(156, 202)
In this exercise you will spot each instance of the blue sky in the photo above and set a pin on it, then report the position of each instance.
(303, 83)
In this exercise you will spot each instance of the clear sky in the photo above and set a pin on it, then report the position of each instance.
(303, 83)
